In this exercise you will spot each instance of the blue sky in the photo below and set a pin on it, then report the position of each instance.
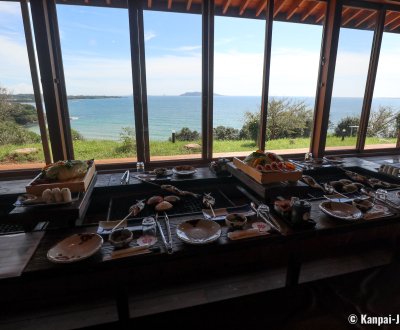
(96, 53)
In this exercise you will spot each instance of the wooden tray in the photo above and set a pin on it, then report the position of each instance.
(267, 177)
(75, 185)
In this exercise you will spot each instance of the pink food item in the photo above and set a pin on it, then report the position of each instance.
(259, 168)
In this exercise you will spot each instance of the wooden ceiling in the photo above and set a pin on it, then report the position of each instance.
(299, 11)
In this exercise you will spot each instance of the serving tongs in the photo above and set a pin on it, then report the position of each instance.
(125, 177)
(167, 244)
(263, 212)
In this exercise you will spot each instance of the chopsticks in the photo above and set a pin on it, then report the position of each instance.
(168, 245)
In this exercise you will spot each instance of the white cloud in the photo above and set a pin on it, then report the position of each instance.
(14, 66)
(149, 35)
(350, 74)
(294, 72)
(388, 78)
(10, 8)
(186, 48)
(238, 73)
(92, 42)
(97, 75)
(173, 75)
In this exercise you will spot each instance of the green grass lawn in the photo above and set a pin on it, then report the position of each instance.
(105, 149)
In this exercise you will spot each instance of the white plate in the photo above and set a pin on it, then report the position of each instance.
(75, 248)
(187, 172)
(198, 231)
(341, 211)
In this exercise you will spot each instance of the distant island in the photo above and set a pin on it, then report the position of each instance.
(31, 97)
(196, 94)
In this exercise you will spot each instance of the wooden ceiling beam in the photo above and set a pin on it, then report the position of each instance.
(366, 18)
(243, 7)
(394, 18)
(293, 10)
(189, 5)
(311, 11)
(345, 10)
(355, 15)
(226, 7)
(149, 3)
(395, 26)
(320, 17)
(169, 4)
(261, 7)
(279, 7)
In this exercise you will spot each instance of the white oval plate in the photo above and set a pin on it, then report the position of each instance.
(187, 172)
(198, 231)
(75, 248)
(341, 211)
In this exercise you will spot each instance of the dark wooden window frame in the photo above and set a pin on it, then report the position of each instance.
(35, 79)
(45, 24)
(44, 18)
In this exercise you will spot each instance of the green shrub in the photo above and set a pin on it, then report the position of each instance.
(185, 134)
(11, 133)
(250, 127)
(24, 114)
(343, 127)
(128, 139)
(76, 135)
(226, 133)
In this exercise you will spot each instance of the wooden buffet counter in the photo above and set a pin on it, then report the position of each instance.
(284, 258)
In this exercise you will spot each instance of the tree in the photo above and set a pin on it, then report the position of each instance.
(251, 126)
(285, 119)
(128, 139)
(382, 122)
(288, 119)
(343, 127)
(226, 133)
(21, 114)
(185, 134)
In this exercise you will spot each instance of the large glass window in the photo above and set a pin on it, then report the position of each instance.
(384, 121)
(20, 141)
(293, 81)
(97, 65)
(173, 73)
(238, 63)
(351, 72)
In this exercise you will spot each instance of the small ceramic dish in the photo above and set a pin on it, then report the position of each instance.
(235, 220)
(161, 172)
(184, 170)
(198, 231)
(75, 248)
(363, 205)
(28, 199)
(120, 238)
(341, 211)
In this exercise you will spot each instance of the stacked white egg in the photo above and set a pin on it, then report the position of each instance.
(56, 195)
(389, 169)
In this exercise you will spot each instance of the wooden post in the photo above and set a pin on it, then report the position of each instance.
(45, 25)
(370, 84)
(266, 74)
(35, 80)
(326, 74)
(133, 10)
(207, 78)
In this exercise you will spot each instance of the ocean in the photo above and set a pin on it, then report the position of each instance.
(104, 118)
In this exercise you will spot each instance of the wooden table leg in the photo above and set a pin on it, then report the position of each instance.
(293, 271)
(122, 301)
